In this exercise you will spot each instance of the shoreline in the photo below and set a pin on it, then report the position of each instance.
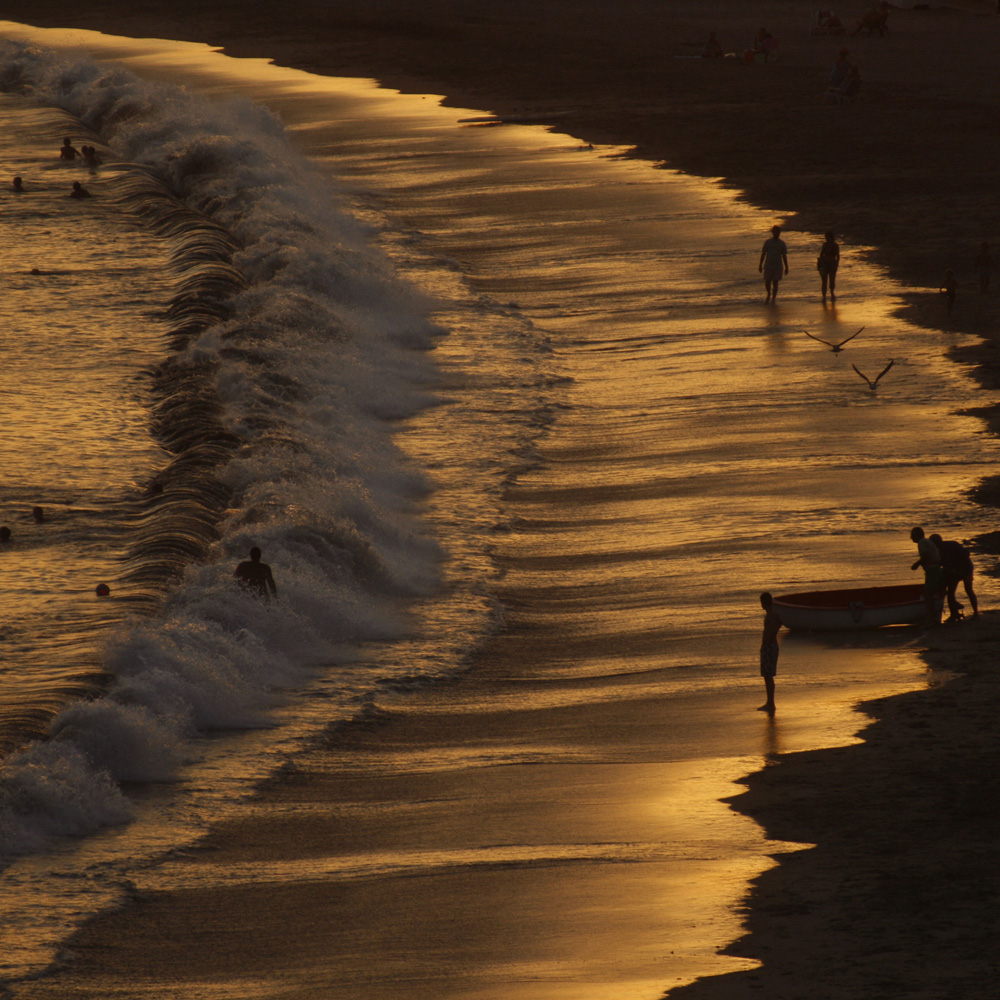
(904, 857)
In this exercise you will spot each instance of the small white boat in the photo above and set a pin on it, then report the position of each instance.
(860, 607)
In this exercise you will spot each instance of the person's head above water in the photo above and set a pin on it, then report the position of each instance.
(38, 514)
(4, 534)
(916, 534)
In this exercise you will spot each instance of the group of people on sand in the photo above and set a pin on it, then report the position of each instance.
(946, 564)
(773, 264)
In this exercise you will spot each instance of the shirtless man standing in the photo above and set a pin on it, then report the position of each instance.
(256, 576)
(773, 263)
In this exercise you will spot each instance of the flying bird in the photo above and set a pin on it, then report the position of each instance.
(833, 347)
(873, 383)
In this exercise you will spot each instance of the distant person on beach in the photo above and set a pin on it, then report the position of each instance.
(827, 264)
(851, 86)
(769, 650)
(841, 69)
(67, 151)
(713, 48)
(984, 266)
(773, 262)
(256, 576)
(949, 288)
(79, 191)
(929, 557)
(17, 185)
(958, 568)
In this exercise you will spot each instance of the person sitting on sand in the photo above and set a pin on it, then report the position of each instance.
(256, 576)
(713, 48)
(769, 650)
(929, 557)
(68, 151)
(79, 191)
(958, 568)
(841, 69)
(827, 264)
(773, 257)
(949, 288)
(851, 86)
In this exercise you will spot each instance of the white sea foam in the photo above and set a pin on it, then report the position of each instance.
(313, 359)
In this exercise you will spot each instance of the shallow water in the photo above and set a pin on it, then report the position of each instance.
(643, 447)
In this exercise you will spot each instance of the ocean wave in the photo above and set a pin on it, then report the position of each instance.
(294, 350)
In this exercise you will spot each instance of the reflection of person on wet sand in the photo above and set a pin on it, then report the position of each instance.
(769, 650)
(773, 259)
(256, 576)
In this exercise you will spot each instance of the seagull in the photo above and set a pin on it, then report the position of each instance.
(873, 385)
(833, 347)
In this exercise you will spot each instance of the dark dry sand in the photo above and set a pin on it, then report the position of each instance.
(899, 898)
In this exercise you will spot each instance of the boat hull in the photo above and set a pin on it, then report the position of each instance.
(860, 607)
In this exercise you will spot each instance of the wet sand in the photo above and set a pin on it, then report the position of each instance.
(899, 896)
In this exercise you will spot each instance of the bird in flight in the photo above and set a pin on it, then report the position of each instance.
(873, 383)
(833, 347)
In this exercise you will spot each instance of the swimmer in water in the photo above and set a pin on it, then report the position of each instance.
(68, 151)
(79, 191)
(256, 576)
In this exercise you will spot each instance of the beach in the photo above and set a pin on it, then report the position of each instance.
(897, 897)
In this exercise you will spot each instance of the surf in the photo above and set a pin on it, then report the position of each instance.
(291, 352)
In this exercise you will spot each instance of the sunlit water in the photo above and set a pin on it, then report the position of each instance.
(618, 417)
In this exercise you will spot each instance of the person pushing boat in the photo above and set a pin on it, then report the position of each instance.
(929, 557)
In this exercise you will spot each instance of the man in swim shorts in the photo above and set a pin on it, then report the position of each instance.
(769, 650)
(773, 263)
